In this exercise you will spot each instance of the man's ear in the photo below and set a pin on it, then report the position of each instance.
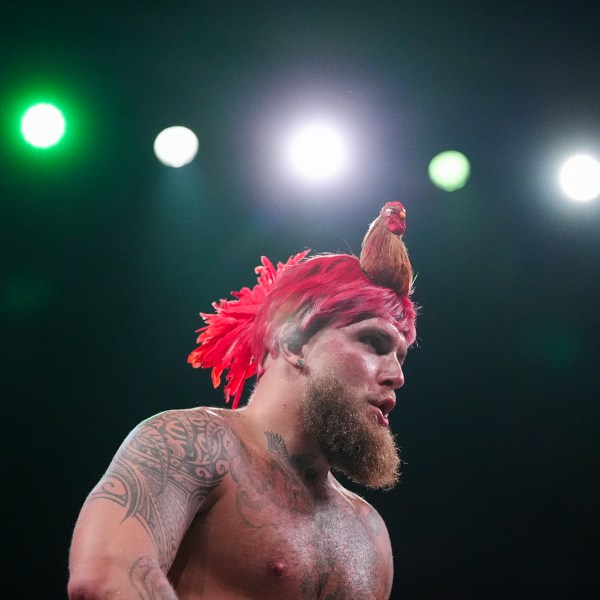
(291, 350)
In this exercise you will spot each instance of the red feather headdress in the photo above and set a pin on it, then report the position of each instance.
(224, 342)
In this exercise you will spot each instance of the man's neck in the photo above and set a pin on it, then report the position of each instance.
(275, 425)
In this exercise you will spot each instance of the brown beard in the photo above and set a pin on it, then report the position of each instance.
(354, 444)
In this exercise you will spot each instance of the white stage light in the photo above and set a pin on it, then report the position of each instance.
(317, 152)
(580, 177)
(176, 146)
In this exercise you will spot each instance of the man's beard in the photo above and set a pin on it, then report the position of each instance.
(352, 441)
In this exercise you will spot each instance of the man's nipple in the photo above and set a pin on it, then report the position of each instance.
(277, 567)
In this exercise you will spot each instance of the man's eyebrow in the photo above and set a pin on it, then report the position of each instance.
(386, 336)
(378, 331)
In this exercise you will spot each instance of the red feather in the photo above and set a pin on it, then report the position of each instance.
(224, 342)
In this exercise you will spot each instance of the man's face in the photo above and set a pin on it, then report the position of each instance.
(353, 372)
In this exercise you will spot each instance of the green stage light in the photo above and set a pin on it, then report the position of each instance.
(43, 125)
(449, 170)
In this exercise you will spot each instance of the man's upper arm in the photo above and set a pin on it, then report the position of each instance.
(153, 488)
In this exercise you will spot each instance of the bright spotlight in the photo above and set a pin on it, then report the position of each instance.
(317, 152)
(176, 146)
(43, 125)
(580, 177)
(449, 170)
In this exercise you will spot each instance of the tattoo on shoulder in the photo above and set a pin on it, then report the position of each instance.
(164, 471)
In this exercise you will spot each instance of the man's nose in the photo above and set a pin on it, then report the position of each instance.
(391, 374)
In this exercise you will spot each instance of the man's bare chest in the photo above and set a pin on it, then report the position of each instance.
(271, 536)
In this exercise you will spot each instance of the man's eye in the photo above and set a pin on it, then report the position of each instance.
(372, 341)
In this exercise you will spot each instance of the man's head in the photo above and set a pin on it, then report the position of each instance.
(324, 291)
(293, 301)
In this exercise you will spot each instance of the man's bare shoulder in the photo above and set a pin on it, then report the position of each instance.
(363, 510)
(190, 422)
(169, 468)
(196, 413)
(187, 450)
(193, 434)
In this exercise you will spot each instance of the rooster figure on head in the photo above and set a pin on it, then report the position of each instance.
(384, 257)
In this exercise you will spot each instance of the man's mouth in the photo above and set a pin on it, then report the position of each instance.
(382, 409)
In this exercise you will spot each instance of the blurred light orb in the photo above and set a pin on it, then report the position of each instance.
(176, 146)
(43, 125)
(580, 177)
(449, 170)
(317, 152)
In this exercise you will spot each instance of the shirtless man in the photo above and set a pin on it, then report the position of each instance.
(219, 504)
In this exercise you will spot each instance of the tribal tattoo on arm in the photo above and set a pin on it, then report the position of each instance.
(164, 471)
(148, 581)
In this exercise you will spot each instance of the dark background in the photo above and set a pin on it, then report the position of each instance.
(107, 256)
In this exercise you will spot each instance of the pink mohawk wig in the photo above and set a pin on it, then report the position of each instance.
(289, 304)
(325, 290)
